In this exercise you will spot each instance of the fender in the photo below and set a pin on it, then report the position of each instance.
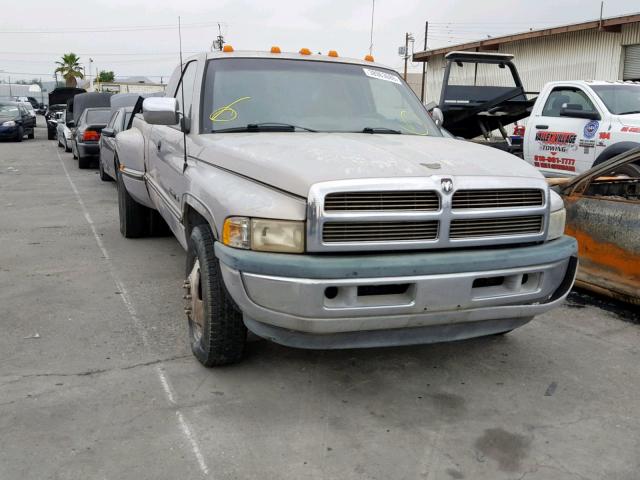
(202, 209)
(613, 150)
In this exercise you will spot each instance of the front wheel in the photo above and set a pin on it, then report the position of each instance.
(32, 135)
(103, 175)
(19, 134)
(83, 162)
(216, 331)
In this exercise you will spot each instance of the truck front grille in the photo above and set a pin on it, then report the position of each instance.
(503, 198)
(336, 232)
(425, 201)
(496, 227)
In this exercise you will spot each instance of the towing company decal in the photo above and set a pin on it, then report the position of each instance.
(587, 144)
(591, 128)
(604, 136)
(630, 129)
(566, 164)
(556, 141)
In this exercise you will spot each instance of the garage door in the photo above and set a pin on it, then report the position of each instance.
(632, 63)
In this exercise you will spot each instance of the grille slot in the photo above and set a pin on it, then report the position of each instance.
(495, 227)
(421, 200)
(503, 198)
(335, 232)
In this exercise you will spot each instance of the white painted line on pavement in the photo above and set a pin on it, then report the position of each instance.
(126, 299)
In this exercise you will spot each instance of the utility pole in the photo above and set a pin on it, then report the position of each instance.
(424, 64)
(406, 53)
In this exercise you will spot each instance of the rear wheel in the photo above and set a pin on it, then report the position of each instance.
(51, 135)
(630, 169)
(103, 175)
(216, 331)
(84, 162)
(135, 219)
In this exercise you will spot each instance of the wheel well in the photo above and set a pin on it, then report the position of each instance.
(192, 219)
(613, 150)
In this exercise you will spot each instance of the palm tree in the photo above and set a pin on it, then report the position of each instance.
(70, 69)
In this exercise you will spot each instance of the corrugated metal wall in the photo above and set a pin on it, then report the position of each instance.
(585, 55)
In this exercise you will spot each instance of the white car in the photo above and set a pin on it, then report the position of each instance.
(29, 108)
(63, 132)
(575, 125)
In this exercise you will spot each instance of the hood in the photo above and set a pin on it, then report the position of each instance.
(295, 161)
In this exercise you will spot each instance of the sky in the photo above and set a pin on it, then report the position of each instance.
(140, 37)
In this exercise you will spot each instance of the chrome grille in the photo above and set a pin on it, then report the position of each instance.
(495, 227)
(335, 232)
(503, 198)
(425, 201)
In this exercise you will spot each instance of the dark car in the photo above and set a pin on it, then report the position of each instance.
(50, 116)
(85, 141)
(15, 122)
(117, 123)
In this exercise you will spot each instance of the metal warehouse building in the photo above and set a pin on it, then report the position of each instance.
(607, 49)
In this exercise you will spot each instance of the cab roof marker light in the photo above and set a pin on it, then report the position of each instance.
(275, 49)
(227, 49)
(305, 51)
(368, 58)
(332, 53)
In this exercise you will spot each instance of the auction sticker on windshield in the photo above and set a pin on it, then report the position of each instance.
(387, 77)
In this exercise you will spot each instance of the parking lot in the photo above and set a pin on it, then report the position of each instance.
(97, 379)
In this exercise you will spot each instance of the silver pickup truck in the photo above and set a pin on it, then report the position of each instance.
(321, 207)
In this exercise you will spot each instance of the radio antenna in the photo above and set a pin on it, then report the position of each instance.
(183, 122)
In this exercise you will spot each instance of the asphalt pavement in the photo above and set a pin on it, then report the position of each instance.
(97, 380)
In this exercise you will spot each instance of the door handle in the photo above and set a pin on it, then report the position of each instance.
(542, 127)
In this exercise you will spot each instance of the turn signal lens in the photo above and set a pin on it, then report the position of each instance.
(332, 53)
(235, 232)
(275, 49)
(227, 49)
(368, 58)
(277, 236)
(91, 136)
(305, 51)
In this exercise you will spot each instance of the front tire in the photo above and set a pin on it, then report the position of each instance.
(19, 134)
(84, 162)
(216, 331)
(135, 219)
(32, 135)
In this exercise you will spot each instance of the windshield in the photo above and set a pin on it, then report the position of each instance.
(98, 116)
(619, 99)
(320, 96)
(8, 111)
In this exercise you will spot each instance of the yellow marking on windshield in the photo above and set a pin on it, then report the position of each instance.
(233, 114)
(403, 117)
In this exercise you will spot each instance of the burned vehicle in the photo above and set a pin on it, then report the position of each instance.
(603, 214)
(58, 99)
(321, 207)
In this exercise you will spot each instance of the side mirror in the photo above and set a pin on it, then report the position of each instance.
(160, 110)
(437, 116)
(108, 132)
(574, 113)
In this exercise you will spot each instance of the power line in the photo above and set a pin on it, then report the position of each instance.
(136, 28)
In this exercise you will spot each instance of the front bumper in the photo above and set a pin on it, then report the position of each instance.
(8, 132)
(341, 301)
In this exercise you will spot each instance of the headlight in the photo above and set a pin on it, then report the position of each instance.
(263, 234)
(557, 217)
(10, 123)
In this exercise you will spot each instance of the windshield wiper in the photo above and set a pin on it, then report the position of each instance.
(381, 130)
(264, 127)
(629, 112)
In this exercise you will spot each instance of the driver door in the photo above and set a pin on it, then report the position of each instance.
(560, 145)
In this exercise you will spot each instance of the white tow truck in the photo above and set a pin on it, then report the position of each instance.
(572, 125)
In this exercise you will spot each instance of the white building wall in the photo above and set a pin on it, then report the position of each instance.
(584, 55)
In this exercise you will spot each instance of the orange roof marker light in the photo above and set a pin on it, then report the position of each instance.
(275, 49)
(227, 49)
(332, 53)
(369, 58)
(305, 51)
